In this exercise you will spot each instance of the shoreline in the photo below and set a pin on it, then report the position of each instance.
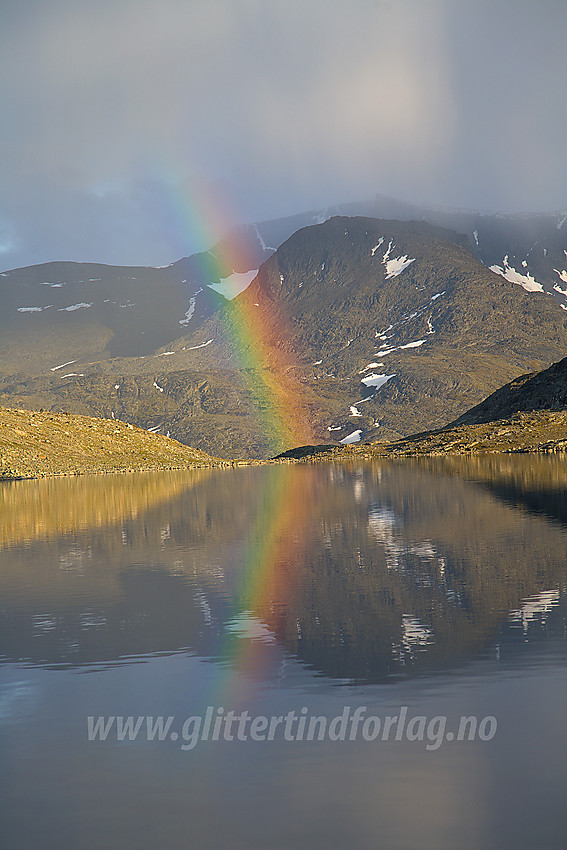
(66, 443)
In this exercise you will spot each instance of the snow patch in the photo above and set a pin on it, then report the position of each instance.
(263, 245)
(562, 274)
(437, 295)
(351, 438)
(166, 353)
(354, 411)
(194, 347)
(68, 363)
(371, 366)
(512, 276)
(380, 242)
(317, 363)
(561, 222)
(48, 283)
(335, 427)
(157, 386)
(376, 381)
(397, 265)
(232, 286)
(415, 344)
(189, 312)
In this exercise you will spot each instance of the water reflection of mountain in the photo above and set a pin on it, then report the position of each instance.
(360, 572)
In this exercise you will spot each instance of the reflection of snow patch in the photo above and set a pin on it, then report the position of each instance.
(246, 625)
(475, 234)
(539, 605)
(74, 307)
(33, 309)
(512, 276)
(561, 222)
(415, 633)
(352, 438)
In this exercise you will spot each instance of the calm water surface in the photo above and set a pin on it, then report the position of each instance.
(425, 591)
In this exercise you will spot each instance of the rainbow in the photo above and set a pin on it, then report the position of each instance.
(274, 556)
(249, 328)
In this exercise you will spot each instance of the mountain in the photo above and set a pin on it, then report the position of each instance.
(354, 328)
(57, 312)
(528, 249)
(61, 313)
(391, 326)
(545, 390)
(71, 311)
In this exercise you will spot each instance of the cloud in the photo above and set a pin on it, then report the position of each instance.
(283, 105)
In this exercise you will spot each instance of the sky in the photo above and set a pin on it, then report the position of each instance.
(137, 131)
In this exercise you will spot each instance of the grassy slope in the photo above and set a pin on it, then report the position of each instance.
(36, 444)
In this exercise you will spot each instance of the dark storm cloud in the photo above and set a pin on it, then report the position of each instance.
(107, 107)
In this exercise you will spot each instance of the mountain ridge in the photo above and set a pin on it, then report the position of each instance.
(376, 327)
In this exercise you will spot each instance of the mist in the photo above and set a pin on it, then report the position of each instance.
(137, 132)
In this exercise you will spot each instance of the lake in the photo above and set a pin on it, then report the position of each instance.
(366, 655)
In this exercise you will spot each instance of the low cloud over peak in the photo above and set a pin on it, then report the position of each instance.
(281, 107)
